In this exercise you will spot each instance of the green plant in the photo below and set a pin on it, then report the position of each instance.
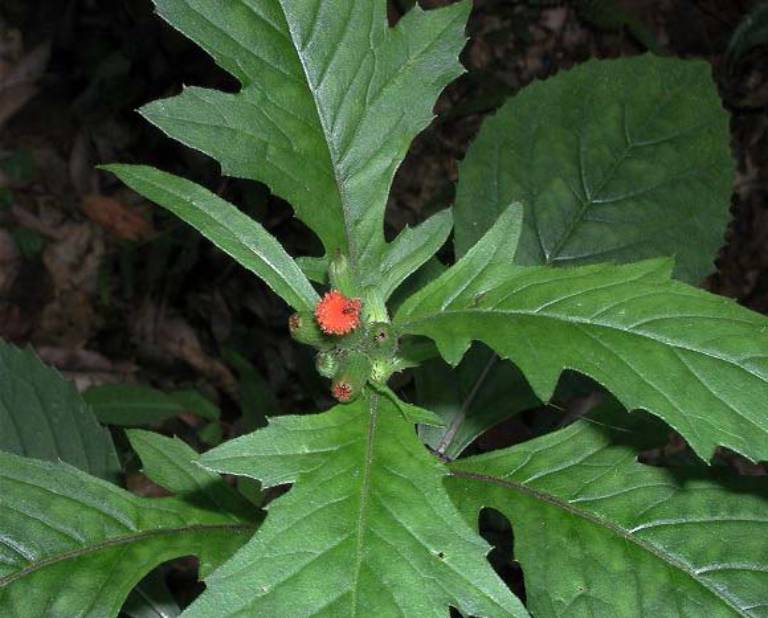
(568, 206)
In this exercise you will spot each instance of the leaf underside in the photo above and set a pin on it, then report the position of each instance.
(599, 534)
(366, 530)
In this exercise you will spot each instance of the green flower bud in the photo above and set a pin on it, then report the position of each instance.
(327, 363)
(354, 371)
(304, 329)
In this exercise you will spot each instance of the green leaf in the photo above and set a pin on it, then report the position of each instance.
(256, 396)
(698, 361)
(599, 534)
(331, 98)
(129, 405)
(315, 269)
(410, 250)
(366, 530)
(475, 396)
(615, 160)
(192, 401)
(43, 416)
(169, 462)
(230, 230)
(74, 545)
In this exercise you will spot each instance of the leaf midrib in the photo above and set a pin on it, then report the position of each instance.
(582, 323)
(596, 520)
(116, 541)
(333, 156)
(362, 517)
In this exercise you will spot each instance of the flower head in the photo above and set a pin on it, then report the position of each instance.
(342, 391)
(336, 314)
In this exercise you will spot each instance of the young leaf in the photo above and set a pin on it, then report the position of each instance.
(366, 530)
(169, 463)
(331, 98)
(410, 250)
(614, 160)
(698, 361)
(43, 416)
(229, 229)
(587, 516)
(74, 545)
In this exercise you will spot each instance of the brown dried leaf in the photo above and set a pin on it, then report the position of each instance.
(122, 220)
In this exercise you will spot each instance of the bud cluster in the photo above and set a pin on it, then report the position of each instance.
(350, 351)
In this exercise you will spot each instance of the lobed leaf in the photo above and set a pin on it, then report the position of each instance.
(599, 534)
(331, 98)
(366, 530)
(74, 545)
(698, 361)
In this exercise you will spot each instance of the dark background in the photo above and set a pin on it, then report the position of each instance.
(110, 289)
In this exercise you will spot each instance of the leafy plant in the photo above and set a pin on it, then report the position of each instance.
(571, 206)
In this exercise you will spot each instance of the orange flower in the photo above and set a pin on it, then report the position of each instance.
(342, 391)
(336, 314)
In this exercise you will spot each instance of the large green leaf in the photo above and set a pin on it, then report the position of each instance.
(615, 160)
(697, 360)
(74, 545)
(229, 229)
(331, 98)
(599, 534)
(43, 416)
(366, 530)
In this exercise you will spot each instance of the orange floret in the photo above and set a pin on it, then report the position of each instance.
(336, 314)
(342, 391)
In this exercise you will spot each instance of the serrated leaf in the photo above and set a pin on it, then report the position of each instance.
(412, 248)
(615, 160)
(229, 229)
(331, 98)
(599, 534)
(366, 530)
(169, 462)
(74, 545)
(43, 416)
(698, 361)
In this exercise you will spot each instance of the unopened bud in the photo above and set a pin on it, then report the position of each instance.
(304, 329)
(327, 363)
(354, 371)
